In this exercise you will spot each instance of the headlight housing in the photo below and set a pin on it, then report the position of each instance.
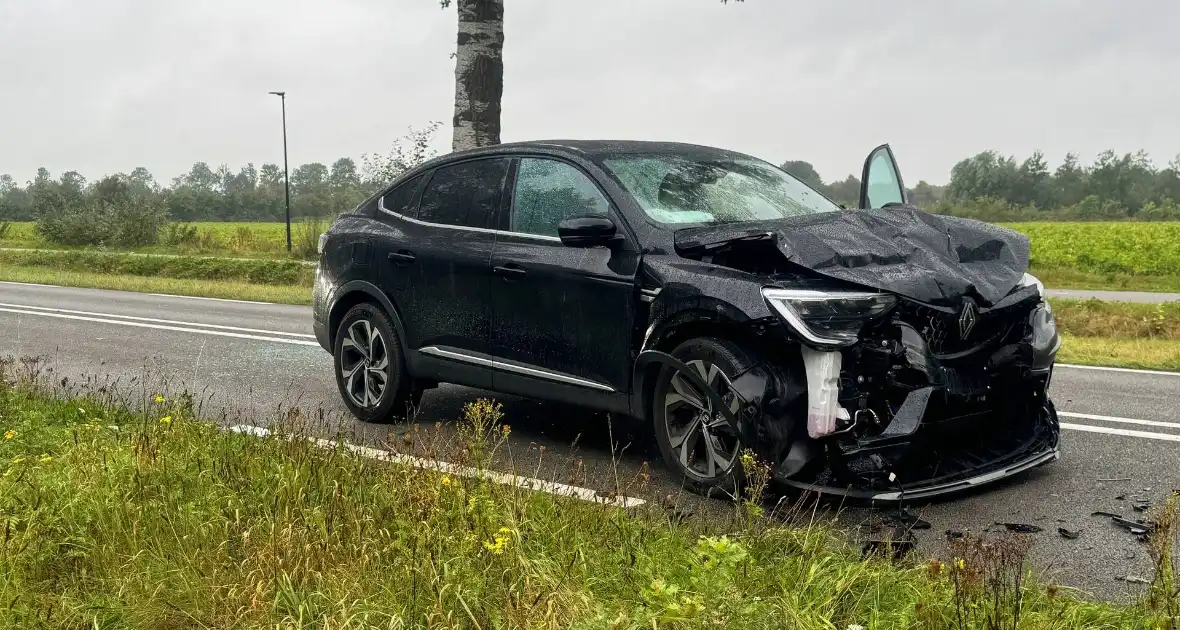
(1030, 280)
(323, 241)
(828, 318)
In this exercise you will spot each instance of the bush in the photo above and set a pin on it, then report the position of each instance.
(133, 222)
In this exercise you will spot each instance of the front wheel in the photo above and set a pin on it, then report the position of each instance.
(696, 440)
(370, 370)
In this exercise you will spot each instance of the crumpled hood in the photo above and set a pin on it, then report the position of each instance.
(931, 258)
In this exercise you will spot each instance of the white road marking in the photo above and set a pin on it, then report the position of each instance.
(1091, 416)
(197, 297)
(30, 284)
(1115, 369)
(529, 483)
(123, 322)
(156, 320)
(1167, 437)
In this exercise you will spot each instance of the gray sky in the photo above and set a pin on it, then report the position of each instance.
(101, 86)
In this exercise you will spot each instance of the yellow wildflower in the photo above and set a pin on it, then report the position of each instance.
(166, 420)
(961, 563)
(45, 458)
(507, 429)
(499, 542)
(8, 435)
(160, 399)
(446, 481)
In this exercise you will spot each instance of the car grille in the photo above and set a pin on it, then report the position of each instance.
(941, 329)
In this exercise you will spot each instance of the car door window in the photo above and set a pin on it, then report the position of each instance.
(548, 191)
(399, 200)
(464, 194)
(884, 184)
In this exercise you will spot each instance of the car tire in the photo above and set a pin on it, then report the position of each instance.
(370, 366)
(705, 454)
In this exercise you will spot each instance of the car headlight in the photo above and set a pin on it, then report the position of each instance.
(828, 318)
(323, 241)
(1030, 280)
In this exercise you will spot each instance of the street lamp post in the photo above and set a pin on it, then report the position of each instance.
(286, 171)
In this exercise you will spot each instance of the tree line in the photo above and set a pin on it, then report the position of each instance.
(987, 186)
(993, 187)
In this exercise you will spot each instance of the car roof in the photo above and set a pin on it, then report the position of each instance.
(600, 148)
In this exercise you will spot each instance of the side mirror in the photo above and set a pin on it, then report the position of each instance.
(586, 231)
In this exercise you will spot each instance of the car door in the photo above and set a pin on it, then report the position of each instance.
(880, 182)
(436, 262)
(562, 316)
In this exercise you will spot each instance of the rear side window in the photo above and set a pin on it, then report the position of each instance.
(399, 200)
(464, 194)
(548, 191)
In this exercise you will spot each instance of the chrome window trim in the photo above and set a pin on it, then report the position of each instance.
(464, 228)
(537, 372)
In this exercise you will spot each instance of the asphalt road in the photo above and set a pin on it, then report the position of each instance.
(1146, 297)
(247, 362)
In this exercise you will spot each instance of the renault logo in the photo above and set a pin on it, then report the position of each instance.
(968, 317)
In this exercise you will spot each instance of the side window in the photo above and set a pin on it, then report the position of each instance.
(548, 191)
(399, 199)
(464, 194)
(884, 183)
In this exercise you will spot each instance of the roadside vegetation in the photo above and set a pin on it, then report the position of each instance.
(154, 519)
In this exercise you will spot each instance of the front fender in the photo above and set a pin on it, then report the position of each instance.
(767, 414)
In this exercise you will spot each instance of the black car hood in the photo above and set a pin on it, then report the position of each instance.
(931, 258)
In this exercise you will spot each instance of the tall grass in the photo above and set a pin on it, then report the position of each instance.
(151, 518)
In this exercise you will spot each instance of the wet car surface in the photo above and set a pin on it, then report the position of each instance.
(881, 354)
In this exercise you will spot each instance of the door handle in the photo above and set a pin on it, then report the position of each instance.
(402, 257)
(510, 271)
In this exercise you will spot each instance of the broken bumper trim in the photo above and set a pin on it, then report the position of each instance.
(926, 492)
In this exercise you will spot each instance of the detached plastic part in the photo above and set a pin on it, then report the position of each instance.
(823, 389)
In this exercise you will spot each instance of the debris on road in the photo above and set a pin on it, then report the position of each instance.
(1141, 505)
(1021, 528)
(1069, 534)
(1133, 579)
(1115, 479)
(953, 534)
(892, 543)
(1120, 497)
(905, 518)
(1139, 528)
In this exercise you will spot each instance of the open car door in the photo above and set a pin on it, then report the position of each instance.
(880, 181)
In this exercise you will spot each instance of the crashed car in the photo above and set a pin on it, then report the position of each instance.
(880, 353)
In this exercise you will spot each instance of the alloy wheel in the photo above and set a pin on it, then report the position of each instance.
(700, 436)
(364, 364)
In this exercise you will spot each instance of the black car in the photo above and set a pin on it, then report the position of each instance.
(881, 353)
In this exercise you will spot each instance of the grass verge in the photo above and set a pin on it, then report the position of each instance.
(149, 284)
(153, 519)
(255, 271)
(1142, 354)
(1066, 278)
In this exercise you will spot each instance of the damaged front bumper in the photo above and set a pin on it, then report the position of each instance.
(906, 413)
(932, 412)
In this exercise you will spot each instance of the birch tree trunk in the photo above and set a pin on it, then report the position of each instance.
(479, 73)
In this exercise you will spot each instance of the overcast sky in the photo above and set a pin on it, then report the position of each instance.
(102, 86)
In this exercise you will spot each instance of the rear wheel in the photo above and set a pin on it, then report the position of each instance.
(695, 439)
(370, 370)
